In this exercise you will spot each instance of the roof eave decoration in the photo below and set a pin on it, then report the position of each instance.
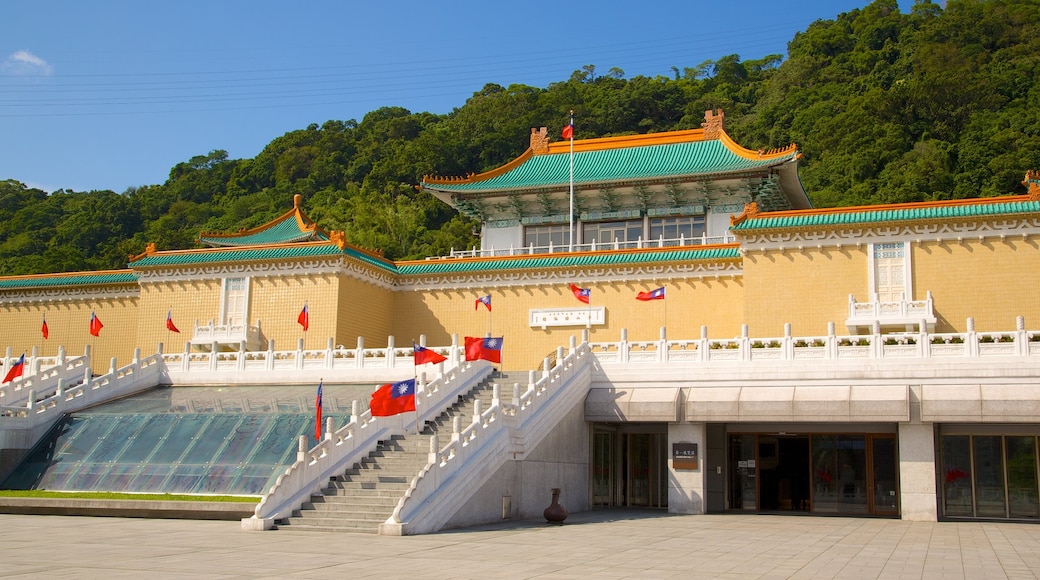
(604, 259)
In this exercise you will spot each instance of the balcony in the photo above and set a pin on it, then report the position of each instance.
(703, 240)
(899, 316)
(224, 337)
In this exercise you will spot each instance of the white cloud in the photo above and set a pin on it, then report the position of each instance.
(25, 63)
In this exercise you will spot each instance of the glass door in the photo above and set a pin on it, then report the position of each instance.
(743, 482)
(883, 460)
(604, 460)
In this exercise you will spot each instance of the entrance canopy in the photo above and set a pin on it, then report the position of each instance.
(844, 403)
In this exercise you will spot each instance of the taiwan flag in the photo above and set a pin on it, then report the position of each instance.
(16, 369)
(169, 323)
(46, 332)
(424, 355)
(568, 131)
(582, 294)
(489, 349)
(485, 300)
(317, 414)
(657, 294)
(304, 318)
(393, 398)
(95, 325)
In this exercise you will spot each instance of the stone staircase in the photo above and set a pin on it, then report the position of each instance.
(365, 495)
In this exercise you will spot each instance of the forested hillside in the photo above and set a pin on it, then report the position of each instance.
(887, 107)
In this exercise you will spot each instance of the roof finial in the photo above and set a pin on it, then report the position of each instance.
(714, 124)
(296, 199)
(1032, 183)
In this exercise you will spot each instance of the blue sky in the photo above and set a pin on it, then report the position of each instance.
(108, 95)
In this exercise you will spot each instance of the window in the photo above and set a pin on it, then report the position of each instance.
(610, 232)
(890, 268)
(235, 301)
(543, 236)
(672, 228)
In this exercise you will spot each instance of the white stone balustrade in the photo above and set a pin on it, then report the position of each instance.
(874, 346)
(42, 374)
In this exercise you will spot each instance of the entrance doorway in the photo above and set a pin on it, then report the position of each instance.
(629, 466)
(818, 473)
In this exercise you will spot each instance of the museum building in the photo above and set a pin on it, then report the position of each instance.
(857, 360)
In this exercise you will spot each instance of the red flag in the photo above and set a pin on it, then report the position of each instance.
(393, 398)
(169, 323)
(489, 349)
(95, 325)
(16, 369)
(485, 300)
(657, 294)
(582, 294)
(44, 330)
(304, 318)
(317, 411)
(568, 131)
(424, 355)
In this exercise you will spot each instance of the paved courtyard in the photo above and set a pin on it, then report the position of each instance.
(600, 544)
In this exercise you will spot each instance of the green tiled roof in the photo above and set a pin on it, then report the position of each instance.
(285, 252)
(75, 279)
(234, 255)
(888, 215)
(618, 164)
(287, 230)
(565, 261)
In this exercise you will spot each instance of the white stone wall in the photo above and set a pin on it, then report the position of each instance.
(560, 460)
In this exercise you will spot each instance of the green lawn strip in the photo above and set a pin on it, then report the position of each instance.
(129, 496)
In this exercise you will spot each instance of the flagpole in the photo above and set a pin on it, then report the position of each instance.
(571, 212)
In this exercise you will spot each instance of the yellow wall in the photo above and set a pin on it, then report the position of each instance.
(688, 304)
(276, 302)
(806, 288)
(188, 302)
(992, 281)
(68, 323)
(365, 310)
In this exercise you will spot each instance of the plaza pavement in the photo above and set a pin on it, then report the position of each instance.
(598, 544)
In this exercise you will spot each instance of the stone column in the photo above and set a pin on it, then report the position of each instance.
(686, 489)
(917, 493)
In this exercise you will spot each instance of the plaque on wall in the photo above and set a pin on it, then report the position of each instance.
(684, 455)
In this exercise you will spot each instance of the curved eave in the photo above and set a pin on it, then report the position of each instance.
(297, 228)
(915, 212)
(570, 260)
(67, 280)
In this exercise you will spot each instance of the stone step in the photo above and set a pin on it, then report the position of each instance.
(376, 514)
(331, 525)
(318, 501)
